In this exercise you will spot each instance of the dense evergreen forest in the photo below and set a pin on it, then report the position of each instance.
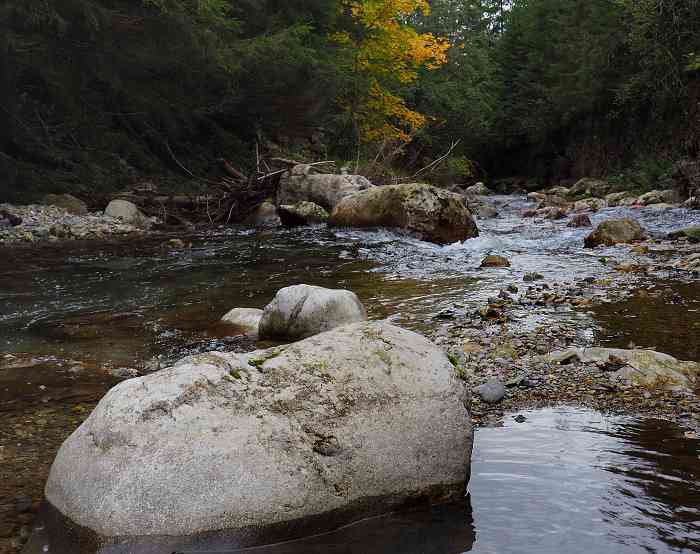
(99, 94)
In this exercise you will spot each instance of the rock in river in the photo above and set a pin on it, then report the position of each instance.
(495, 261)
(615, 231)
(303, 213)
(127, 212)
(580, 220)
(301, 184)
(239, 448)
(426, 212)
(247, 320)
(301, 311)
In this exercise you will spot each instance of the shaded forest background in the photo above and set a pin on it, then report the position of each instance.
(97, 95)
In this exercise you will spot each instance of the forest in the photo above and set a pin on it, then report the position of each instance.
(100, 94)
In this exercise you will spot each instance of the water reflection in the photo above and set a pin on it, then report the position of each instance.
(576, 481)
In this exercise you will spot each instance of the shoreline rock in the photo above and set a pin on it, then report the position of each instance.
(366, 415)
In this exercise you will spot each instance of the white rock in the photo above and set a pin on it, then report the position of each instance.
(301, 311)
(246, 319)
(365, 417)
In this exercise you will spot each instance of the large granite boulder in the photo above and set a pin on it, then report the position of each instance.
(301, 311)
(301, 184)
(128, 212)
(429, 213)
(68, 202)
(618, 198)
(273, 444)
(615, 231)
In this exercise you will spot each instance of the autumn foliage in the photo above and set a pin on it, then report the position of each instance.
(386, 51)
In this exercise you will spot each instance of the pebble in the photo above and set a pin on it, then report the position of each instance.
(491, 392)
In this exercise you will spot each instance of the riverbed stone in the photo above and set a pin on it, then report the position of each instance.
(246, 320)
(491, 392)
(427, 212)
(495, 261)
(68, 202)
(692, 234)
(617, 198)
(656, 197)
(615, 231)
(590, 205)
(357, 421)
(580, 220)
(128, 212)
(302, 183)
(301, 311)
(303, 213)
(639, 367)
(479, 189)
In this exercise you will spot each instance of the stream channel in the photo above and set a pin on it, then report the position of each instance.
(78, 317)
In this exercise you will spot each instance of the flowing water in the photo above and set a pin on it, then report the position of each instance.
(561, 482)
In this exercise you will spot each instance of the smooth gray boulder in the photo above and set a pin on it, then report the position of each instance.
(357, 421)
(301, 311)
(127, 212)
(491, 392)
(246, 320)
(301, 184)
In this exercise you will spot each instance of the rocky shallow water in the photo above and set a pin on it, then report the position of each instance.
(80, 316)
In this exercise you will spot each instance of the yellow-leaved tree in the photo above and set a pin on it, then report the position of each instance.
(387, 52)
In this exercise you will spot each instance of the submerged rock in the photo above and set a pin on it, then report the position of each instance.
(301, 184)
(427, 212)
(303, 213)
(354, 422)
(645, 368)
(301, 311)
(615, 231)
(245, 319)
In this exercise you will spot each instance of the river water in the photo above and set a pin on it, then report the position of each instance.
(563, 481)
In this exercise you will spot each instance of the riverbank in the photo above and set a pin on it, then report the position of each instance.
(46, 223)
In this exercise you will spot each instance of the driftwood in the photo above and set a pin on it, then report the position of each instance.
(225, 200)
